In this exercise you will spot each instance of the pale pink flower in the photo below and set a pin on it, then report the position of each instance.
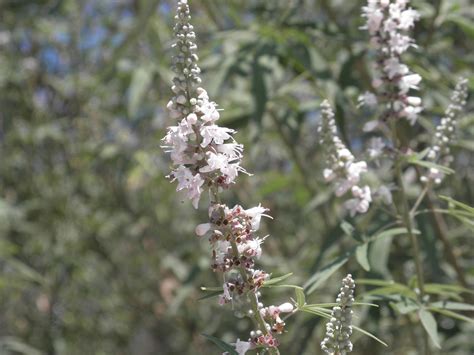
(216, 134)
(242, 347)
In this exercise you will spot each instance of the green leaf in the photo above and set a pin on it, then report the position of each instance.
(276, 280)
(221, 344)
(370, 335)
(429, 323)
(430, 165)
(330, 305)
(294, 287)
(464, 23)
(210, 295)
(392, 290)
(458, 204)
(391, 233)
(456, 306)
(361, 256)
(259, 90)
(452, 314)
(407, 305)
(318, 311)
(347, 228)
(322, 275)
(141, 80)
(16, 346)
(26, 271)
(446, 289)
(326, 313)
(379, 254)
(377, 282)
(300, 297)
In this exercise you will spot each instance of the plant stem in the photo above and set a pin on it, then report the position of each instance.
(442, 232)
(418, 201)
(254, 301)
(407, 220)
(405, 210)
(257, 317)
(407, 217)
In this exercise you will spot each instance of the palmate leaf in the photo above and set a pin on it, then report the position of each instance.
(221, 344)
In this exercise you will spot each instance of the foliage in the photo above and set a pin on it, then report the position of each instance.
(96, 249)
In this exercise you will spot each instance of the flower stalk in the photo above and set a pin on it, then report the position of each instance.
(388, 23)
(341, 167)
(205, 156)
(339, 327)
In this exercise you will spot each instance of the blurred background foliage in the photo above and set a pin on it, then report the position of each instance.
(97, 251)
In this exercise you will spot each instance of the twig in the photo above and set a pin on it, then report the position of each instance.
(442, 232)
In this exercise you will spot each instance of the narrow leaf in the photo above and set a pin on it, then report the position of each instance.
(322, 275)
(456, 306)
(429, 323)
(452, 314)
(361, 256)
(221, 344)
(278, 279)
(209, 295)
(370, 335)
(140, 83)
(300, 297)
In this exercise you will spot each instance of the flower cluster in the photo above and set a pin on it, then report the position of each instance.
(439, 152)
(388, 23)
(259, 339)
(339, 328)
(232, 234)
(235, 247)
(203, 153)
(342, 169)
(205, 156)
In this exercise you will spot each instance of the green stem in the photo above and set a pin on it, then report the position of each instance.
(442, 232)
(254, 301)
(407, 220)
(418, 201)
(407, 217)
(257, 317)
(406, 213)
